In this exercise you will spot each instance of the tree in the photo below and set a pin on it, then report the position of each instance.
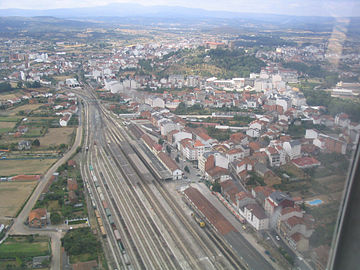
(55, 218)
(161, 141)
(36, 142)
(216, 187)
(62, 146)
(168, 149)
(186, 169)
(5, 86)
(19, 84)
(177, 159)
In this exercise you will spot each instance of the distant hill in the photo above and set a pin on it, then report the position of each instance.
(131, 10)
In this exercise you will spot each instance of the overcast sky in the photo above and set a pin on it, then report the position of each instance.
(290, 7)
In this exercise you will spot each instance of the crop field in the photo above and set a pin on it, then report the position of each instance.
(9, 95)
(9, 125)
(26, 108)
(30, 166)
(56, 136)
(9, 119)
(22, 246)
(6, 126)
(13, 195)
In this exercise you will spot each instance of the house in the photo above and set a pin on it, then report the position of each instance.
(342, 120)
(217, 174)
(261, 169)
(276, 200)
(297, 230)
(178, 136)
(191, 150)
(155, 102)
(239, 138)
(72, 185)
(24, 145)
(236, 153)
(311, 134)
(170, 165)
(293, 149)
(246, 164)
(242, 199)
(71, 163)
(306, 162)
(299, 242)
(64, 120)
(73, 198)
(256, 216)
(22, 129)
(273, 156)
(260, 193)
(253, 133)
(257, 124)
(38, 218)
(167, 126)
(229, 190)
(254, 147)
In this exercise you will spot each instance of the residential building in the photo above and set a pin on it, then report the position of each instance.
(256, 216)
(293, 149)
(38, 218)
(276, 200)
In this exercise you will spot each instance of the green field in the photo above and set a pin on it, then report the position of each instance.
(9, 119)
(25, 246)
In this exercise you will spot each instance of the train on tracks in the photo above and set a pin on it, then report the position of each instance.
(198, 220)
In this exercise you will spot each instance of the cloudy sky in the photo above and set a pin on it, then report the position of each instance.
(290, 7)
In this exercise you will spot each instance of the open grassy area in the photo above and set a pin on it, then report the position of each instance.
(31, 166)
(5, 130)
(10, 95)
(26, 108)
(53, 206)
(294, 172)
(24, 246)
(9, 119)
(9, 125)
(13, 195)
(56, 136)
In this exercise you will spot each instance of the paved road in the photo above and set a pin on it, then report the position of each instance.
(19, 228)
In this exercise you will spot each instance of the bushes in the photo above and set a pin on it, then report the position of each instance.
(55, 218)
(81, 241)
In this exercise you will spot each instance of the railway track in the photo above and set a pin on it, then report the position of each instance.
(152, 238)
(211, 253)
(121, 159)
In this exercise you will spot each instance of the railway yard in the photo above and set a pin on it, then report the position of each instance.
(143, 226)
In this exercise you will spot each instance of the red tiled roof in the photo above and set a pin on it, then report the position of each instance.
(256, 210)
(297, 237)
(169, 163)
(272, 150)
(37, 214)
(216, 171)
(288, 210)
(234, 151)
(198, 144)
(293, 221)
(305, 161)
